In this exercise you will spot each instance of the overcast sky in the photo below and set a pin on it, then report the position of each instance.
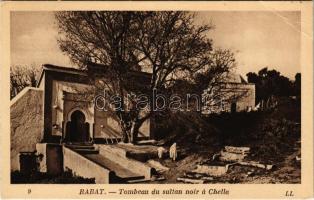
(259, 39)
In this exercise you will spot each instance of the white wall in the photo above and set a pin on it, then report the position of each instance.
(27, 123)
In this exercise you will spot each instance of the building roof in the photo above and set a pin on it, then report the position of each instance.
(233, 78)
(63, 69)
(91, 67)
(55, 68)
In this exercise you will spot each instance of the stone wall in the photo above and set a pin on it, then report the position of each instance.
(221, 99)
(26, 118)
(50, 157)
(81, 166)
(248, 100)
(118, 155)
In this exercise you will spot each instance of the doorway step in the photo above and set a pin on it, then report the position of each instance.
(122, 174)
(84, 148)
(108, 140)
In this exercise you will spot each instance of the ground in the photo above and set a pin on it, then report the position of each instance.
(273, 136)
(286, 171)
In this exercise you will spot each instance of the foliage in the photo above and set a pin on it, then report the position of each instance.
(21, 77)
(209, 78)
(271, 83)
(222, 62)
(66, 177)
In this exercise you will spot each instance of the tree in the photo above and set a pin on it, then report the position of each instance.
(209, 78)
(297, 84)
(21, 77)
(269, 83)
(167, 44)
(212, 77)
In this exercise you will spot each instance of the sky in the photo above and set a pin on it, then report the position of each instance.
(259, 39)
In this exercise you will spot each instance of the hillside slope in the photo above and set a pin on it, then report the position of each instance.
(273, 136)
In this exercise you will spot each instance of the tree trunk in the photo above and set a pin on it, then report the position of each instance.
(125, 131)
(130, 130)
(134, 131)
(125, 137)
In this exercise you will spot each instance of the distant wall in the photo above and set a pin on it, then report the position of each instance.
(244, 96)
(241, 94)
(247, 100)
(107, 126)
(26, 118)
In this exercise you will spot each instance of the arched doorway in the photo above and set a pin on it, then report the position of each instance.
(77, 128)
(234, 107)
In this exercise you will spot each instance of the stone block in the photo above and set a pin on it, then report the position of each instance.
(50, 158)
(41, 154)
(211, 170)
(241, 150)
(231, 157)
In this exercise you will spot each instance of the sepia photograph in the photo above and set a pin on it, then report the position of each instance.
(155, 97)
(184, 101)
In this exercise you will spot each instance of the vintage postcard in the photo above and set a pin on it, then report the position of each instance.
(153, 100)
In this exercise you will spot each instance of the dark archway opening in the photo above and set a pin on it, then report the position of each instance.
(77, 130)
(233, 107)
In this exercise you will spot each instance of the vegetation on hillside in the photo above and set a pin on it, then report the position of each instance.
(273, 136)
